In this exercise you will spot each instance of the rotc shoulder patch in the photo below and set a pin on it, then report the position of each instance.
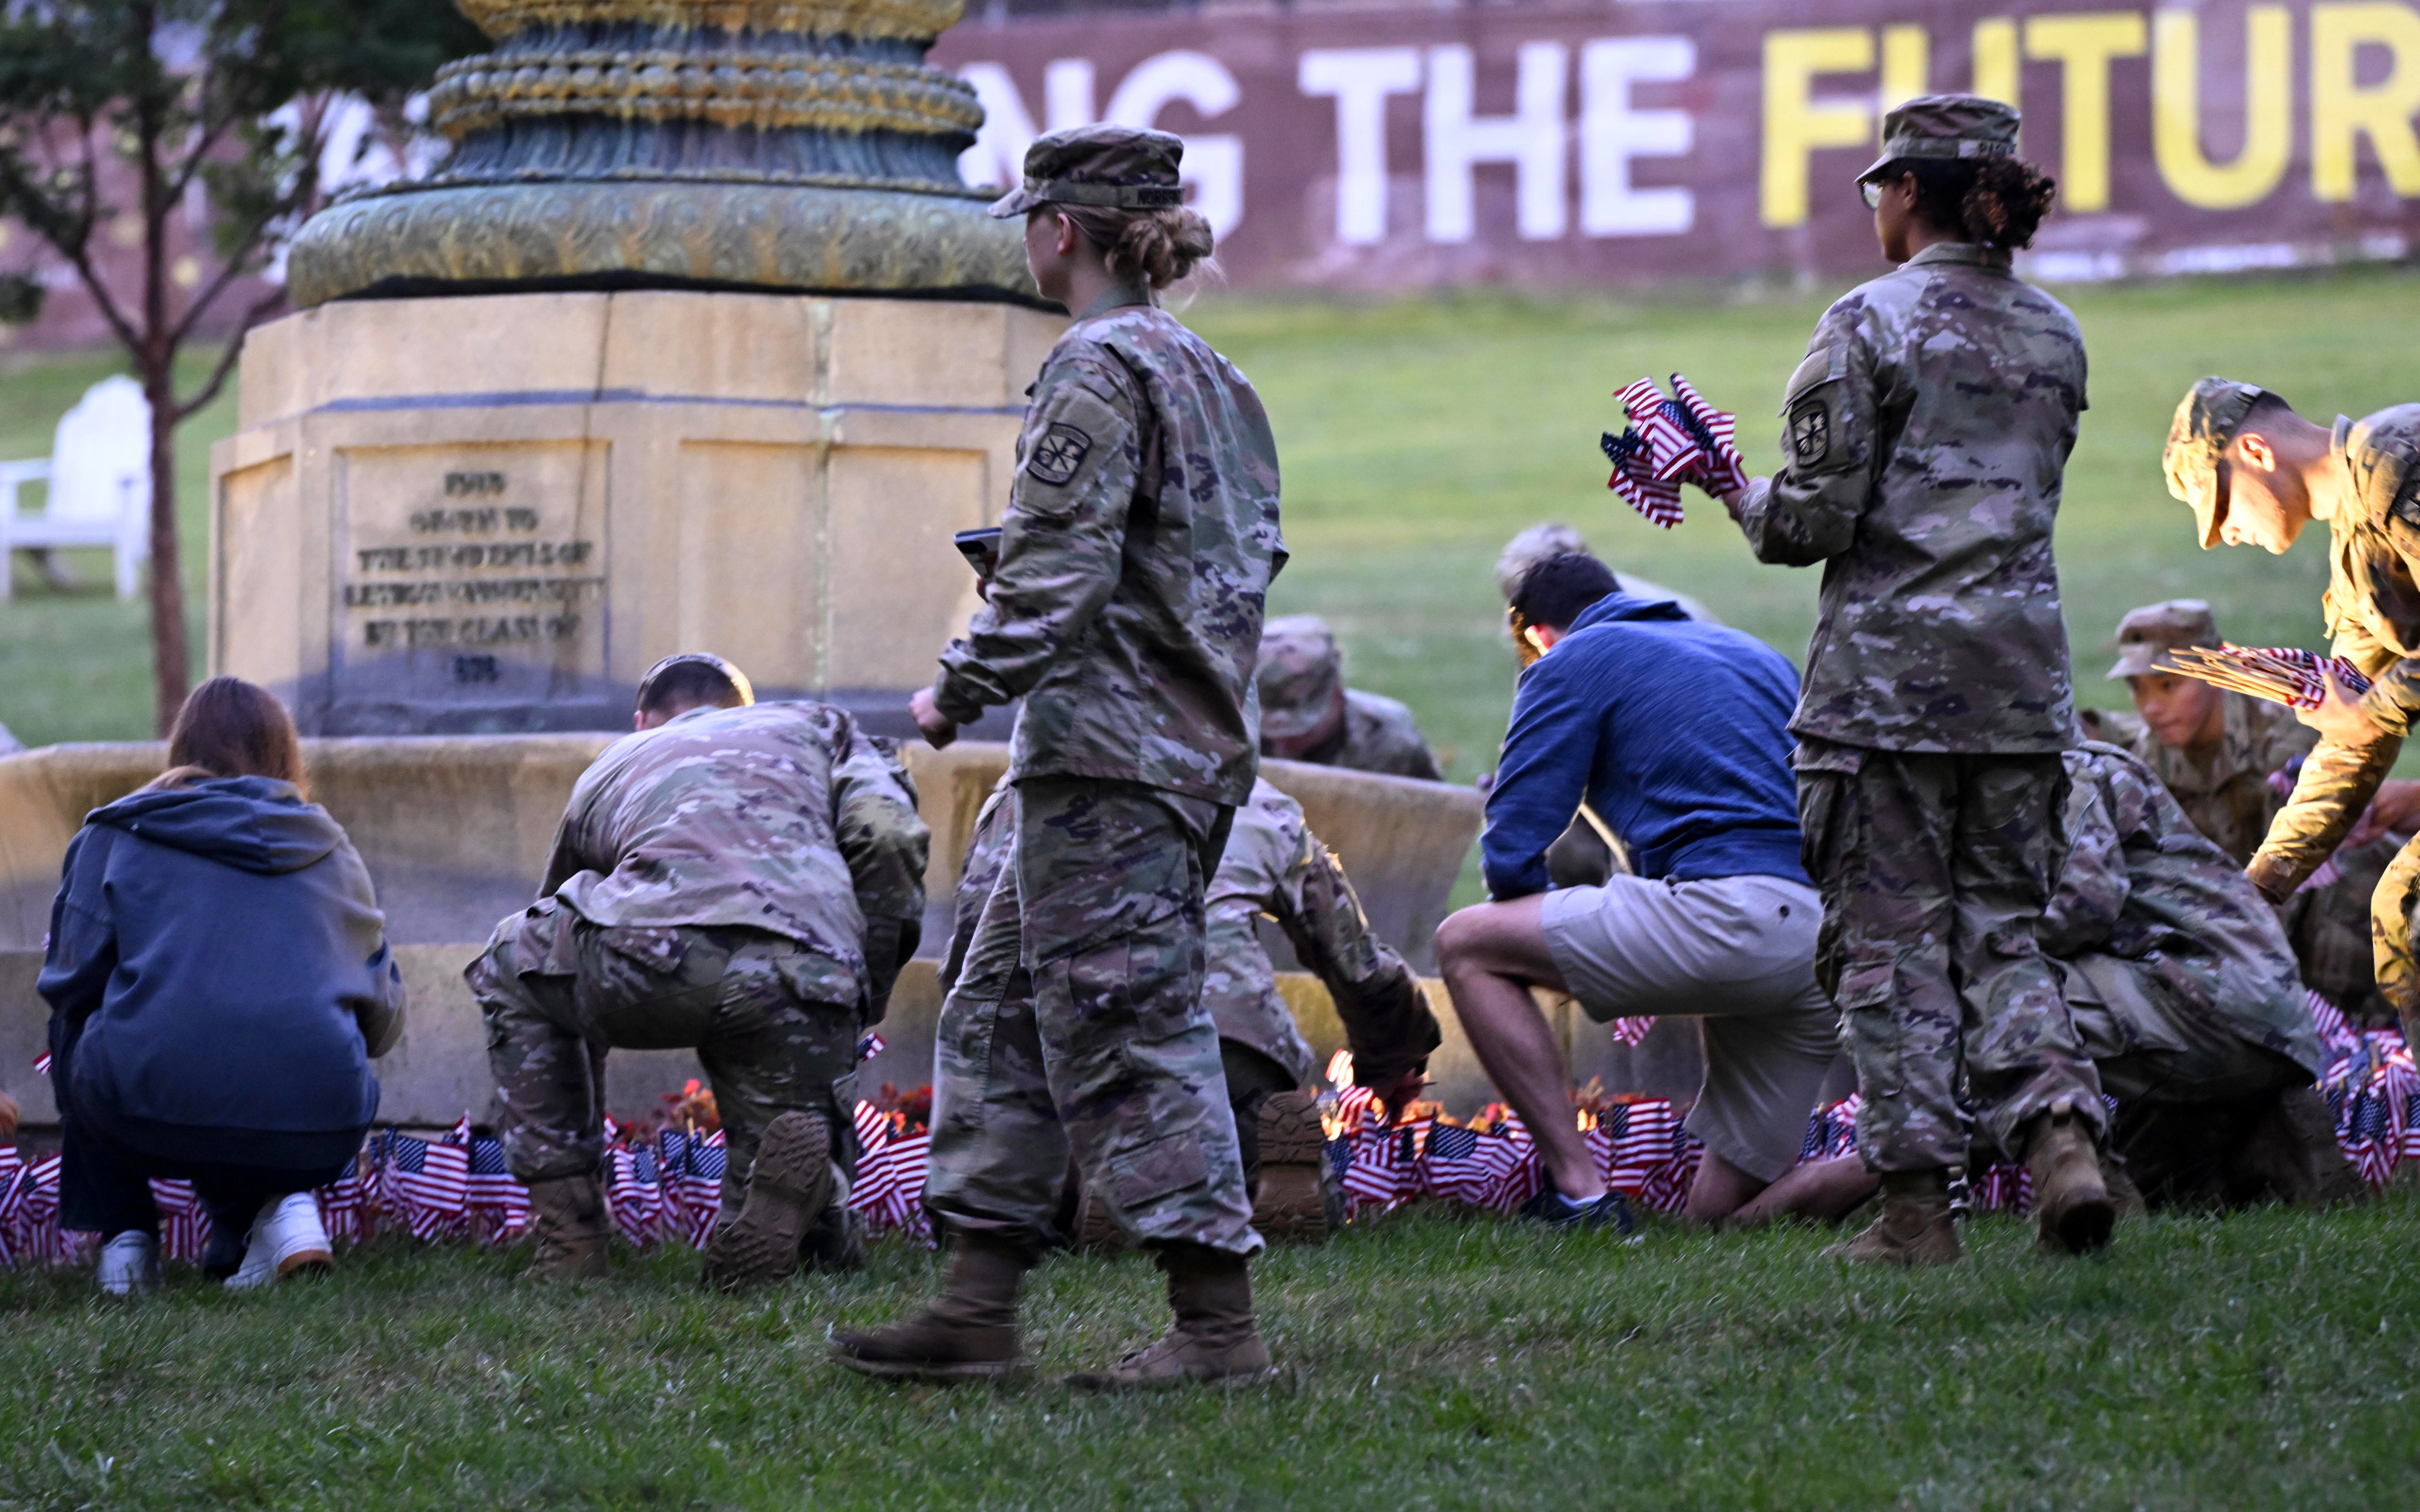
(1062, 450)
(1810, 431)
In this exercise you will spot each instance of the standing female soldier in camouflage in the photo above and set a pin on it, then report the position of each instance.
(1135, 554)
(1927, 430)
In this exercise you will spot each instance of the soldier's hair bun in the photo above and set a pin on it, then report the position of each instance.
(2006, 205)
(1160, 245)
(1998, 202)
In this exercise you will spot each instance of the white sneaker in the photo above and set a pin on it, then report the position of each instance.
(285, 1237)
(130, 1263)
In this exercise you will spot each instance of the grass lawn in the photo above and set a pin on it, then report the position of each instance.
(2262, 1361)
(2266, 1360)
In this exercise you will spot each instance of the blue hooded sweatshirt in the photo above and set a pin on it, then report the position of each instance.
(217, 961)
(1676, 734)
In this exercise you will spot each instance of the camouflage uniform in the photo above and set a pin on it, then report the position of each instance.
(2179, 981)
(1301, 680)
(2183, 985)
(2224, 788)
(1136, 555)
(744, 882)
(1927, 433)
(1273, 865)
(2373, 610)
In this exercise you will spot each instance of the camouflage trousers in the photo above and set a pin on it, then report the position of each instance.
(2149, 1044)
(1077, 1026)
(557, 992)
(2393, 911)
(1934, 870)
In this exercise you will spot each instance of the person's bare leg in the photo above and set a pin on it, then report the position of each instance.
(1826, 1191)
(1720, 1190)
(1490, 956)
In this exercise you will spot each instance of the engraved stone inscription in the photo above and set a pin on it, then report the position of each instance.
(486, 566)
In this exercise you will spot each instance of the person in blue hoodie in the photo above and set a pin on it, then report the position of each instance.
(219, 982)
(1669, 734)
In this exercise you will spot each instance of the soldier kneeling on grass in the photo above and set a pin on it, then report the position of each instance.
(1273, 867)
(744, 879)
(2183, 992)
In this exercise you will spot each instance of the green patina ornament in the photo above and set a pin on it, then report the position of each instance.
(764, 144)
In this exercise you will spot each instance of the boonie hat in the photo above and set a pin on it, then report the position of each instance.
(1124, 168)
(2206, 422)
(1946, 126)
(2147, 635)
(1300, 674)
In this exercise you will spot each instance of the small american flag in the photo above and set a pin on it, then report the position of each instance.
(2328, 1021)
(702, 1163)
(427, 1184)
(889, 1190)
(184, 1224)
(871, 1046)
(1640, 452)
(635, 1191)
(1725, 471)
(873, 1125)
(1340, 1069)
(495, 1198)
(1454, 1171)
(42, 1063)
(1633, 1032)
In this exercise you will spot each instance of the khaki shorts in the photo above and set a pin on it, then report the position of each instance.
(1739, 953)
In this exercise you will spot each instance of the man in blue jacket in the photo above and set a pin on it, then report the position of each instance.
(1670, 734)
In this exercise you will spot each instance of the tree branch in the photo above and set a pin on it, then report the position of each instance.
(226, 362)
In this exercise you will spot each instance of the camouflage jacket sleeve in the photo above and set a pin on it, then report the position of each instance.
(580, 842)
(886, 845)
(1807, 512)
(1388, 1025)
(2093, 885)
(1063, 537)
(2336, 783)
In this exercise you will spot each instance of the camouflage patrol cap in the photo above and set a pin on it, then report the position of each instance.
(1124, 167)
(700, 661)
(2206, 422)
(1946, 126)
(1301, 676)
(2147, 635)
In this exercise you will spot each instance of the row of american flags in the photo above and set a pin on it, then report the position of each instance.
(666, 1186)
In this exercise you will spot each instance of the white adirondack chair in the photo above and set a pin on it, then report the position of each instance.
(100, 477)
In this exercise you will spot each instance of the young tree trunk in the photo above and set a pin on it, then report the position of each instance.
(171, 658)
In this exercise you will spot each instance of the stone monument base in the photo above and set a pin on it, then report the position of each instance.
(492, 513)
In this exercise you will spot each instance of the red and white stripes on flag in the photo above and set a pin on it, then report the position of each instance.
(1670, 441)
(1633, 1032)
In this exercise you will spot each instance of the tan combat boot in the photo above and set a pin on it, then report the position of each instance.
(1214, 1338)
(1914, 1228)
(968, 1334)
(788, 1189)
(567, 1220)
(2072, 1210)
(2292, 1155)
(1291, 1202)
(2122, 1190)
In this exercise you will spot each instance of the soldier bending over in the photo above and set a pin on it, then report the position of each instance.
(2256, 473)
(2185, 995)
(740, 878)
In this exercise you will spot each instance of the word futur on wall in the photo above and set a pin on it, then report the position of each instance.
(1554, 143)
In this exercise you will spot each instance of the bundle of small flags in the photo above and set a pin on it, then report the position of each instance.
(2284, 675)
(2372, 1088)
(1670, 441)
